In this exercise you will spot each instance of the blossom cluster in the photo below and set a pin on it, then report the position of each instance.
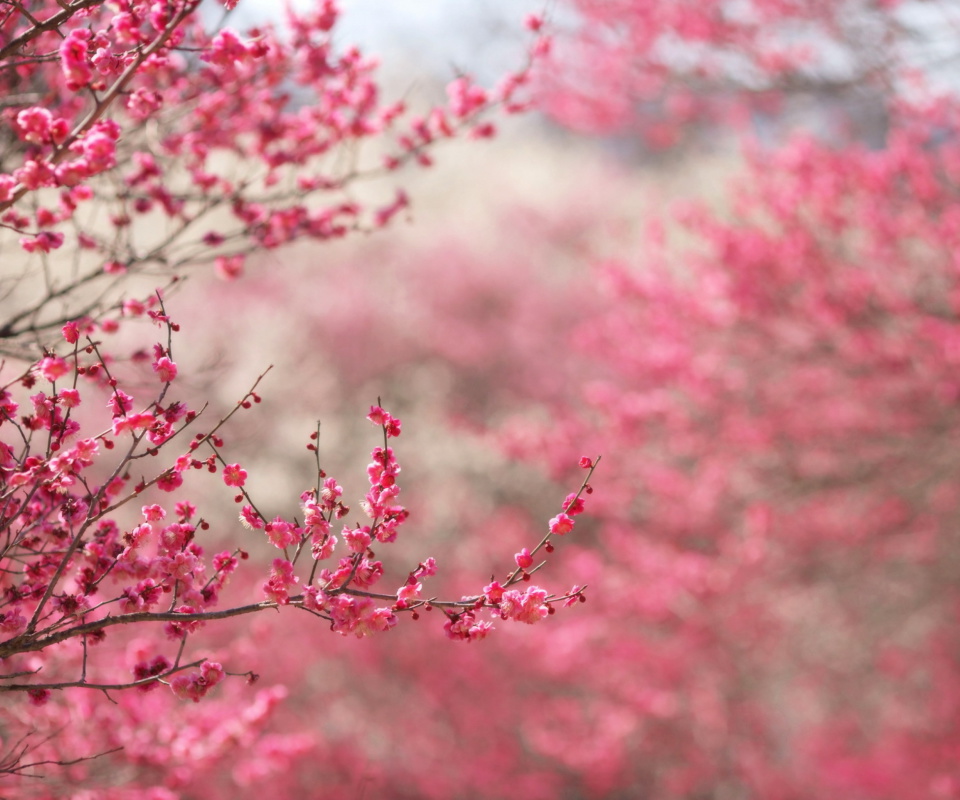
(77, 563)
(224, 134)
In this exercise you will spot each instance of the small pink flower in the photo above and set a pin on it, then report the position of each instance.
(73, 59)
(234, 475)
(357, 539)
(561, 524)
(524, 559)
(120, 403)
(53, 367)
(12, 622)
(575, 596)
(282, 533)
(153, 513)
(533, 22)
(225, 562)
(133, 422)
(228, 268)
(250, 519)
(70, 398)
(43, 242)
(166, 369)
(170, 481)
(134, 308)
(427, 568)
(34, 124)
(573, 505)
(71, 332)
(378, 416)
(195, 685)
(409, 592)
(493, 592)
(464, 627)
(280, 581)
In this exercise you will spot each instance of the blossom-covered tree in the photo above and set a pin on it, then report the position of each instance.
(140, 141)
(773, 386)
(668, 70)
(772, 558)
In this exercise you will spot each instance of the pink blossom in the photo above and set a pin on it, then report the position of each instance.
(493, 592)
(177, 630)
(561, 524)
(99, 147)
(226, 48)
(71, 332)
(465, 627)
(282, 578)
(357, 539)
(427, 568)
(180, 565)
(170, 481)
(43, 242)
(69, 398)
(153, 512)
(528, 606)
(144, 669)
(34, 124)
(12, 622)
(143, 103)
(409, 592)
(378, 416)
(35, 174)
(165, 368)
(52, 368)
(524, 559)
(234, 475)
(225, 563)
(359, 616)
(73, 59)
(120, 402)
(281, 533)
(575, 596)
(106, 62)
(134, 308)
(195, 685)
(228, 268)
(465, 97)
(572, 504)
(133, 422)
(250, 519)
(322, 546)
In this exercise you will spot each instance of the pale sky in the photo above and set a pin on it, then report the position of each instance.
(482, 37)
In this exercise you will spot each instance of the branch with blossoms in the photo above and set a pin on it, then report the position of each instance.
(149, 142)
(76, 562)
